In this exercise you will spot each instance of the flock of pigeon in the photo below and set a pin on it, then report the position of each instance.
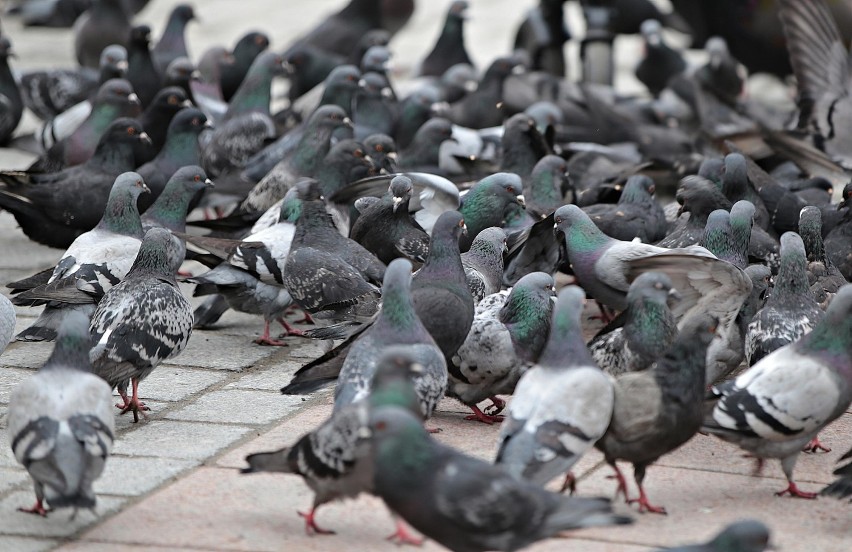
(423, 230)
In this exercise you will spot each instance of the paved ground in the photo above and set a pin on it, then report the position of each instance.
(172, 483)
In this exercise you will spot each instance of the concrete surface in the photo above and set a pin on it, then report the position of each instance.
(172, 482)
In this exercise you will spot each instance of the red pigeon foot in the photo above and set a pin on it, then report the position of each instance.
(481, 416)
(814, 445)
(38, 508)
(311, 527)
(404, 536)
(644, 505)
(794, 492)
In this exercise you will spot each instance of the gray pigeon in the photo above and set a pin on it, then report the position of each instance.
(461, 502)
(508, 332)
(699, 197)
(741, 536)
(61, 423)
(790, 312)
(397, 324)
(483, 263)
(143, 320)
(561, 406)
(659, 409)
(842, 486)
(334, 458)
(7, 322)
(780, 404)
(636, 215)
(719, 239)
(823, 277)
(649, 327)
(105, 23)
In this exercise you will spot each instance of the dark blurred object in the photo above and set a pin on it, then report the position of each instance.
(596, 48)
(626, 16)
(396, 13)
(542, 34)
(60, 13)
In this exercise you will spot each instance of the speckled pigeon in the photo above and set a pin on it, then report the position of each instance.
(483, 263)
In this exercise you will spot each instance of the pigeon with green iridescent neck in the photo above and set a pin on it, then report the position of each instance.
(61, 425)
(776, 407)
(172, 43)
(824, 278)
(762, 247)
(649, 327)
(55, 208)
(141, 321)
(247, 49)
(397, 324)
(791, 311)
(488, 202)
(95, 261)
(334, 459)
(169, 210)
(719, 239)
(483, 263)
(659, 409)
(561, 406)
(461, 502)
(741, 536)
(636, 215)
(508, 332)
(545, 188)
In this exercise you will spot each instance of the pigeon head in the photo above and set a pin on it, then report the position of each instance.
(810, 229)
(457, 81)
(545, 114)
(458, 8)
(343, 76)
(490, 240)
(792, 275)
(191, 178)
(434, 131)
(565, 345)
(183, 12)
(160, 254)
(393, 381)
(308, 189)
(140, 35)
(400, 188)
(638, 186)
(330, 116)
(382, 150)
(180, 70)
(376, 59)
(579, 232)
(711, 168)
(447, 230)
(718, 238)
(543, 192)
(394, 435)
(846, 198)
(118, 92)
(528, 302)
(189, 120)
(500, 68)
(374, 85)
(698, 329)
(734, 174)
(170, 99)
(170, 208)
(700, 197)
(124, 131)
(653, 289)
(249, 46)
(121, 214)
(744, 536)
(652, 33)
(114, 61)
(73, 342)
(759, 275)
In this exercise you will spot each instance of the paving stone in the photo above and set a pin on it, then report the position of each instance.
(130, 476)
(238, 406)
(171, 383)
(169, 439)
(56, 524)
(10, 478)
(124, 422)
(9, 379)
(88, 546)
(21, 544)
(26, 355)
(7, 459)
(272, 378)
(219, 352)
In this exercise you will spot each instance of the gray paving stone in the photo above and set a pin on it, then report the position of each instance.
(20, 544)
(56, 524)
(170, 439)
(130, 476)
(25, 317)
(9, 379)
(220, 352)
(171, 383)
(10, 478)
(239, 406)
(270, 379)
(7, 459)
(26, 355)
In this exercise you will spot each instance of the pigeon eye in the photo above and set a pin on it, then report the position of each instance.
(197, 178)
(358, 153)
(381, 426)
(196, 122)
(131, 131)
(511, 189)
(379, 148)
(461, 223)
(172, 100)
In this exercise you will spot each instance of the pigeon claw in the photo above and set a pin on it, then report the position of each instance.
(644, 505)
(794, 492)
(481, 416)
(404, 536)
(496, 407)
(814, 445)
(37, 508)
(570, 483)
(311, 527)
(265, 339)
(622, 483)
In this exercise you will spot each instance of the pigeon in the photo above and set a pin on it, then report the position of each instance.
(488, 202)
(659, 409)
(54, 209)
(142, 72)
(307, 67)
(790, 311)
(837, 242)
(649, 327)
(172, 205)
(636, 215)
(741, 536)
(544, 189)
(104, 24)
(542, 37)
(449, 49)
(842, 486)
(397, 324)
(561, 406)
(483, 263)
(387, 230)
(439, 289)
(722, 75)
(334, 458)
(699, 197)
(156, 118)
(423, 152)
(180, 73)
(479, 108)
(508, 332)
(92, 264)
(660, 62)
(776, 407)
(464, 503)
(340, 33)
(522, 145)
(823, 277)
(374, 109)
(141, 321)
(172, 43)
(736, 185)
(761, 246)
(382, 150)
(61, 424)
(7, 322)
(11, 102)
(339, 87)
(248, 47)
(413, 112)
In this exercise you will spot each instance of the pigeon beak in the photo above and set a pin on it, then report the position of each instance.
(288, 67)
(347, 122)
(521, 201)
(392, 156)
(208, 124)
(471, 85)
(397, 201)
(209, 183)
(464, 229)
(133, 99)
(122, 66)
(387, 93)
(145, 188)
(186, 103)
(364, 433)
(145, 138)
(674, 296)
(195, 75)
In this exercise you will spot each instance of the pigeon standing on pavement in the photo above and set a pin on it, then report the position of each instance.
(661, 62)
(779, 405)
(462, 502)
(561, 406)
(172, 43)
(449, 49)
(483, 263)
(61, 424)
(659, 409)
(508, 332)
(143, 320)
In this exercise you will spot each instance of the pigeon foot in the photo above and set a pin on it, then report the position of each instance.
(481, 416)
(644, 505)
(403, 535)
(266, 339)
(622, 483)
(38, 508)
(794, 492)
(497, 405)
(311, 527)
(570, 483)
(814, 445)
(290, 329)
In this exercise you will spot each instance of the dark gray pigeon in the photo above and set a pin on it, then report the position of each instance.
(60, 423)
(483, 263)
(143, 320)
(397, 324)
(778, 406)
(561, 406)
(660, 62)
(11, 101)
(105, 23)
(636, 215)
(462, 502)
(334, 458)
(508, 332)
(659, 409)
(824, 278)
(790, 311)
(741, 536)
(142, 72)
(699, 197)
(172, 43)
(838, 242)
(439, 289)
(842, 486)
(649, 327)
(449, 49)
